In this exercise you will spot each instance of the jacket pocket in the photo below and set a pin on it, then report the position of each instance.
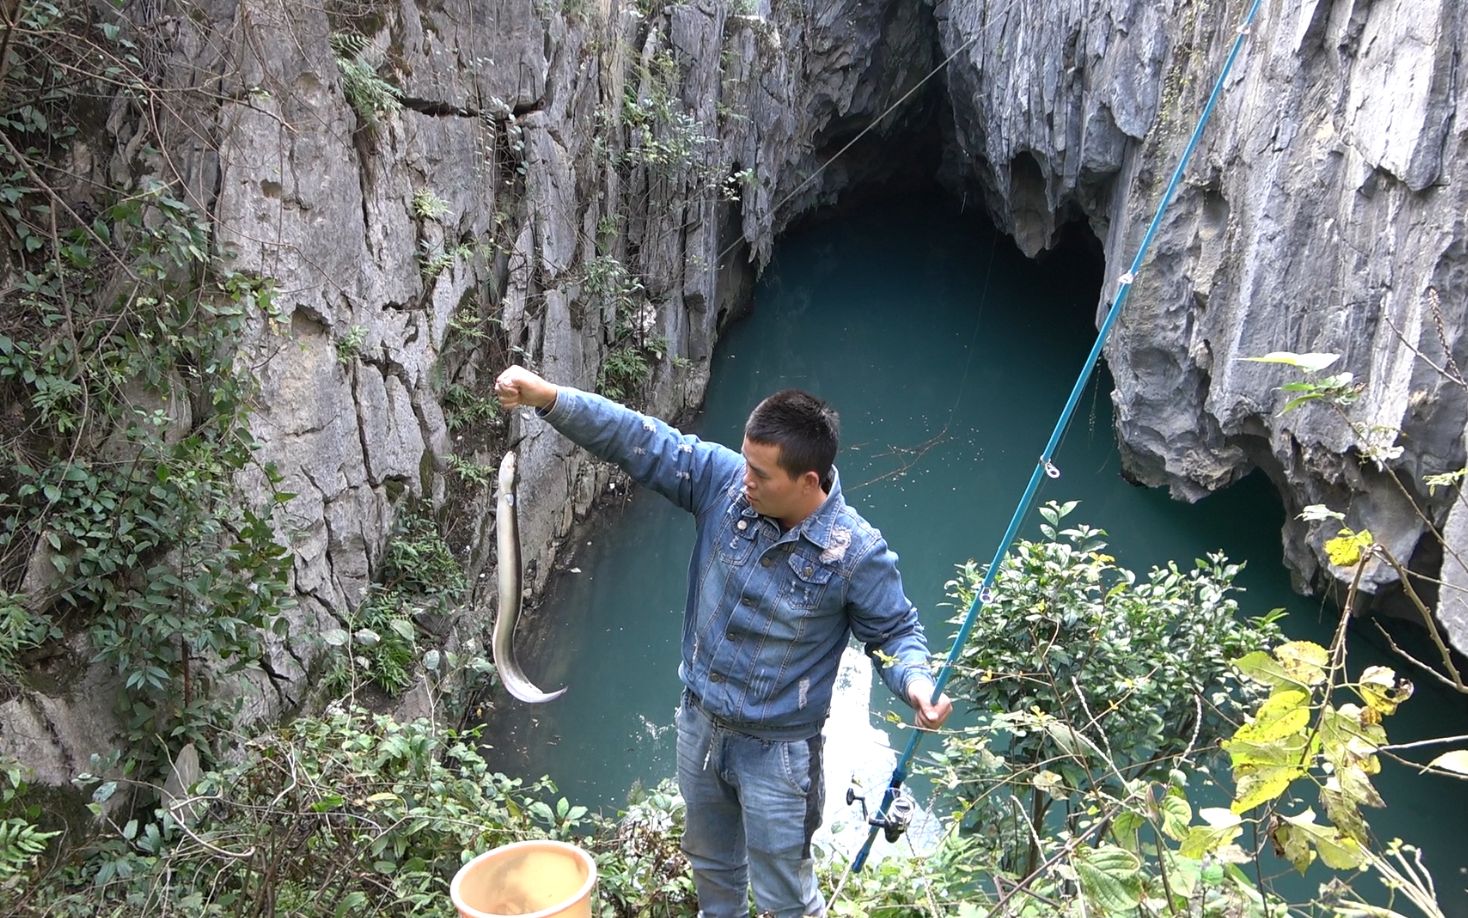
(807, 583)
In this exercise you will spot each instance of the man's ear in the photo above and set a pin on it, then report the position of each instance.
(811, 480)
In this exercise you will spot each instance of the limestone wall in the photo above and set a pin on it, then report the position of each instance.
(1323, 213)
(417, 247)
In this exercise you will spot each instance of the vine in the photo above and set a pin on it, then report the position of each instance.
(128, 420)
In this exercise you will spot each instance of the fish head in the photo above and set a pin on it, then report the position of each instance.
(507, 473)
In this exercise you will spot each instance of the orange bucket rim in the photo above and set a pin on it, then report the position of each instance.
(574, 850)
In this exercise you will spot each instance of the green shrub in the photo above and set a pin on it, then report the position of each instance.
(616, 292)
(21, 841)
(346, 813)
(1085, 676)
(20, 630)
(136, 422)
(640, 865)
(463, 407)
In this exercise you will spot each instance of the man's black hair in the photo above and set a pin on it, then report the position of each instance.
(805, 428)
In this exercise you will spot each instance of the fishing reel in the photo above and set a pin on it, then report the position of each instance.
(899, 812)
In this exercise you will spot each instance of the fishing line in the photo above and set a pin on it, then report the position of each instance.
(1095, 397)
(978, 318)
(1095, 386)
(774, 208)
(1044, 467)
(920, 450)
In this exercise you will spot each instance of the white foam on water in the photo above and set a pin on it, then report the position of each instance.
(652, 731)
(861, 755)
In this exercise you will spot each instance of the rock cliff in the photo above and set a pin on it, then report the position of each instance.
(591, 185)
(439, 189)
(1322, 214)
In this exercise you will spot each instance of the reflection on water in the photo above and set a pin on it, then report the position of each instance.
(948, 356)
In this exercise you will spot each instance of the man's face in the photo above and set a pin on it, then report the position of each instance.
(770, 489)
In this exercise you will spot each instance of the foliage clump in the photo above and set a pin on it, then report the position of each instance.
(121, 517)
(346, 813)
(21, 842)
(420, 576)
(349, 813)
(1092, 686)
(1106, 705)
(369, 94)
(641, 867)
(620, 298)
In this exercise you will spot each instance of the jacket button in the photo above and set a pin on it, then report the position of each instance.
(766, 561)
(809, 570)
(715, 677)
(742, 525)
(729, 635)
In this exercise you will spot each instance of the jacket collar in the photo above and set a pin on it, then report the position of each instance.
(817, 527)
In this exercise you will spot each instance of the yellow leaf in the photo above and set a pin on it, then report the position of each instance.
(1345, 549)
(1293, 846)
(1382, 690)
(1203, 840)
(1286, 712)
(1342, 810)
(1455, 761)
(1263, 668)
(1285, 752)
(1338, 851)
(1304, 661)
(1354, 783)
(1261, 786)
(1352, 735)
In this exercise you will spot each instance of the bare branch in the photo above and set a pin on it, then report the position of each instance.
(1427, 617)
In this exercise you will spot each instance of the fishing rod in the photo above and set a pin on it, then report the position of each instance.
(897, 807)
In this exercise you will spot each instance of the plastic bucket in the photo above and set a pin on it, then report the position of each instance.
(529, 879)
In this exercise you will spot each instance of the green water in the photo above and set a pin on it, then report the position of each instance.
(948, 356)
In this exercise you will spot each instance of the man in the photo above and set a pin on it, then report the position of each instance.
(782, 571)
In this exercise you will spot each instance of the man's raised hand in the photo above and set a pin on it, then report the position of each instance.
(518, 386)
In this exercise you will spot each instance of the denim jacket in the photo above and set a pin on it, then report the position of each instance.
(768, 612)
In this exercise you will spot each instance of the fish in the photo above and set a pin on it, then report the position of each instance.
(509, 573)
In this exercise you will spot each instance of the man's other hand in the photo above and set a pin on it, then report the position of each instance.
(518, 386)
(930, 714)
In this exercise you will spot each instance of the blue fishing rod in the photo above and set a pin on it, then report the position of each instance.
(896, 809)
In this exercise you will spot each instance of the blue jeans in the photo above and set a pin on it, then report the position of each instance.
(753, 805)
